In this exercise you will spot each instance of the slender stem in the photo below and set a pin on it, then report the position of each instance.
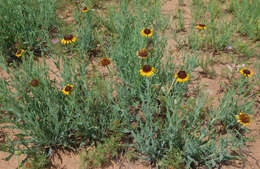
(18, 159)
(110, 71)
(173, 81)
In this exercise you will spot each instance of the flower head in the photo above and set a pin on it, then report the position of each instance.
(181, 76)
(147, 71)
(19, 53)
(67, 89)
(54, 41)
(84, 10)
(68, 39)
(34, 83)
(243, 118)
(201, 26)
(116, 122)
(142, 53)
(229, 47)
(27, 165)
(105, 61)
(246, 72)
(37, 52)
(147, 32)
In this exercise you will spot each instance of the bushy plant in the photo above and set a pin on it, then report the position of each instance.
(25, 24)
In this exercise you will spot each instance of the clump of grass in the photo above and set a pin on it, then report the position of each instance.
(173, 159)
(90, 25)
(221, 31)
(205, 65)
(181, 25)
(56, 119)
(246, 14)
(25, 25)
(101, 154)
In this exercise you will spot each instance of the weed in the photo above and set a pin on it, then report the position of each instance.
(101, 154)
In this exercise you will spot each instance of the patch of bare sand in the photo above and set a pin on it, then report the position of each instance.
(66, 14)
(169, 9)
(251, 150)
(3, 74)
(13, 162)
(53, 72)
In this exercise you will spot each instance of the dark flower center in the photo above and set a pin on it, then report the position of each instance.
(105, 62)
(182, 74)
(244, 118)
(68, 88)
(147, 68)
(85, 8)
(37, 52)
(28, 165)
(116, 122)
(247, 72)
(68, 37)
(201, 25)
(143, 53)
(19, 52)
(34, 82)
(147, 31)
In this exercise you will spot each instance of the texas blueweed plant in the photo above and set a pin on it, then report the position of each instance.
(26, 25)
(49, 115)
(89, 24)
(217, 33)
(246, 15)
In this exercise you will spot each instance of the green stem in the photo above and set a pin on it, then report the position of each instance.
(173, 82)
(18, 159)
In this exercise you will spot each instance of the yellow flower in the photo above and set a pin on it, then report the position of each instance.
(147, 71)
(105, 61)
(67, 89)
(147, 32)
(246, 72)
(68, 39)
(19, 53)
(142, 53)
(201, 26)
(85, 9)
(181, 76)
(243, 118)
